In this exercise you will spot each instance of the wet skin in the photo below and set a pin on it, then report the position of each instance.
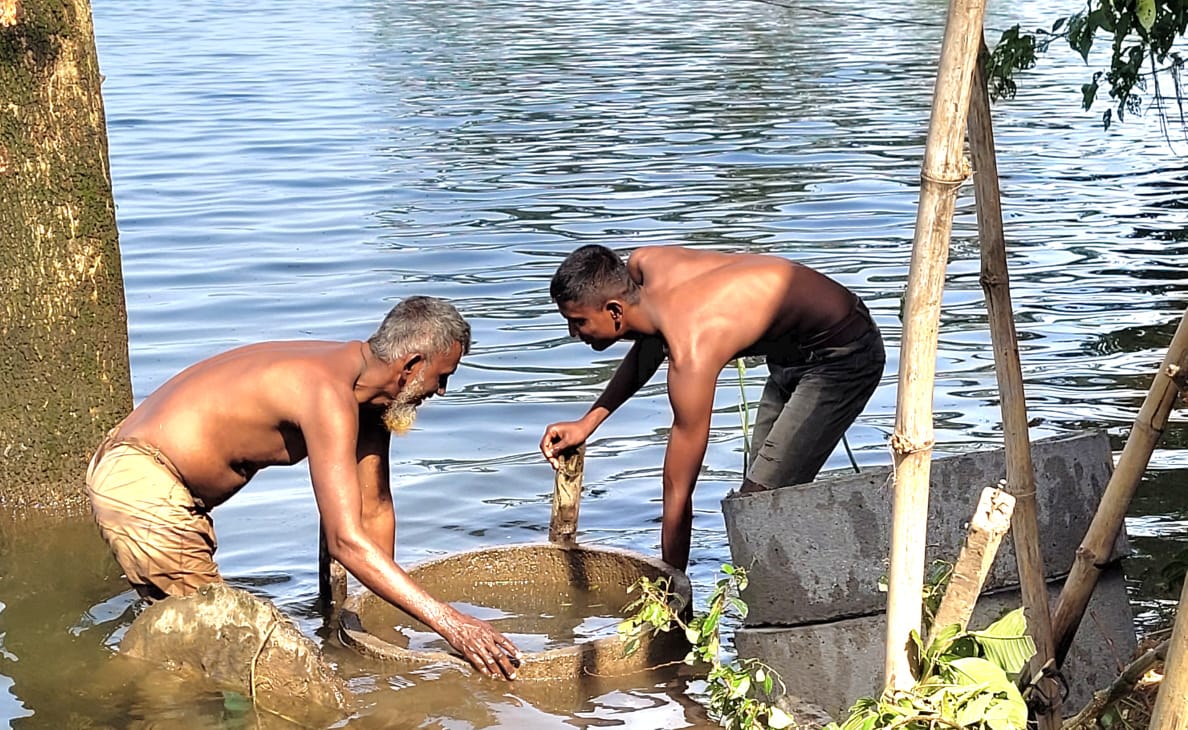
(700, 310)
(225, 418)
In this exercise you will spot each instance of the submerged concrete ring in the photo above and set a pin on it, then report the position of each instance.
(536, 567)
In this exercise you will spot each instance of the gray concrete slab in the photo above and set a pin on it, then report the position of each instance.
(833, 664)
(816, 552)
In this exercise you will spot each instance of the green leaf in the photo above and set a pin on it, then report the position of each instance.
(692, 635)
(778, 719)
(943, 640)
(1006, 643)
(1145, 10)
(1007, 714)
(974, 710)
(976, 671)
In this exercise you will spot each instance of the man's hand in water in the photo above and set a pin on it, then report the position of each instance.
(489, 651)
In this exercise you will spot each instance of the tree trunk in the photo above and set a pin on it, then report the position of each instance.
(64, 370)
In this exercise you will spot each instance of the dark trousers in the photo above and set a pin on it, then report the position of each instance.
(807, 405)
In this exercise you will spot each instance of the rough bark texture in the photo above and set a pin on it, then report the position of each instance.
(64, 370)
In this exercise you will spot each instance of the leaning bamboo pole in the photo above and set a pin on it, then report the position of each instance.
(991, 521)
(943, 170)
(1097, 545)
(1020, 471)
(1171, 704)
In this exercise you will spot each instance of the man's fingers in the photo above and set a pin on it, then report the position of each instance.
(506, 665)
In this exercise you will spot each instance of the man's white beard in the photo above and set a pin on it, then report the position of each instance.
(400, 417)
(401, 413)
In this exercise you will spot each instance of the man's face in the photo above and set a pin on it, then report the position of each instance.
(595, 326)
(428, 378)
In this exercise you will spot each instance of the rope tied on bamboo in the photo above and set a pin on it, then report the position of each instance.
(1177, 375)
(959, 176)
(903, 446)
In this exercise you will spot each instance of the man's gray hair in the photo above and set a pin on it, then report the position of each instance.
(425, 325)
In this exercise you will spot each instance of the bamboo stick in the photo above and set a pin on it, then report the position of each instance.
(1087, 718)
(567, 495)
(332, 578)
(1098, 543)
(1012, 400)
(1171, 704)
(943, 170)
(990, 522)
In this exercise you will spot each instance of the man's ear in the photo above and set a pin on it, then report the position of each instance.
(615, 308)
(411, 362)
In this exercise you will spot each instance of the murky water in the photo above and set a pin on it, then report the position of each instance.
(553, 623)
(290, 169)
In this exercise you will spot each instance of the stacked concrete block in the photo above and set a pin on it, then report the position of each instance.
(816, 554)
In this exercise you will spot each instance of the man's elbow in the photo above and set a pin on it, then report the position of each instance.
(347, 548)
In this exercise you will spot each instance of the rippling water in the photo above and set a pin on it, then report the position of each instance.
(290, 169)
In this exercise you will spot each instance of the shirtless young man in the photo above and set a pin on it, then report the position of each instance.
(201, 436)
(700, 310)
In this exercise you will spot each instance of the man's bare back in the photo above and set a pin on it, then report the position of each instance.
(715, 306)
(223, 419)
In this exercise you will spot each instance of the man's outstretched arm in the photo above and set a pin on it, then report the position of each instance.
(331, 435)
(638, 366)
(691, 393)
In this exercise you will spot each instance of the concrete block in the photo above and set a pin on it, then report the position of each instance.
(833, 664)
(815, 552)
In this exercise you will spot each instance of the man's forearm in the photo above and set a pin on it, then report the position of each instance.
(383, 577)
(638, 366)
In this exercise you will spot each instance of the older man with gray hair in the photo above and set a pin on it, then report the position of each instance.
(200, 437)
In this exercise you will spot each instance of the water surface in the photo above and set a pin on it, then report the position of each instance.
(291, 169)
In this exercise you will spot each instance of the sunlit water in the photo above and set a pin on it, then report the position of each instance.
(291, 169)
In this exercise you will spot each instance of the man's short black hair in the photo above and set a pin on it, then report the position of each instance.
(590, 276)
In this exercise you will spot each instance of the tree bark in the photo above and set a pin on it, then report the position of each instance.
(64, 369)
(990, 523)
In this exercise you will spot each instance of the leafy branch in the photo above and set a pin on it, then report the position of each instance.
(729, 684)
(965, 679)
(1140, 33)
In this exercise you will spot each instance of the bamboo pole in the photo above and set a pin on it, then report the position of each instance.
(1098, 543)
(1020, 470)
(943, 170)
(1171, 704)
(567, 495)
(990, 522)
(1103, 699)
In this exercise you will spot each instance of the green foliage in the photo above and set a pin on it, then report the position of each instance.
(728, 684)
(1141, 33)
(964, 679)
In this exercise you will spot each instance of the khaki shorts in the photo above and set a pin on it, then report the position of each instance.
(162, 539)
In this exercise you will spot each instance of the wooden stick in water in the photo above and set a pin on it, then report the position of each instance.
(567, 494)
(332, 578)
